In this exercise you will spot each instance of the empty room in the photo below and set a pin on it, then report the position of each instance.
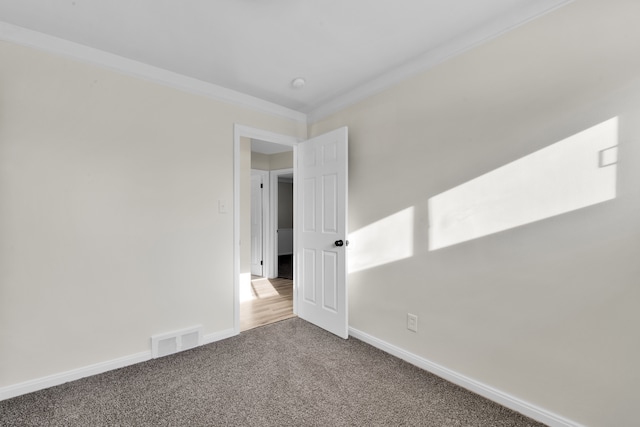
(464, 237)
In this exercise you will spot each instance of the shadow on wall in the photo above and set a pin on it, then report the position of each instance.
(571, 174)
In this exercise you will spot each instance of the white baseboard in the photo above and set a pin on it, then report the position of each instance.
(484, 390)
(72, 375)
(75, 374)
(477, 387)
(217, 336)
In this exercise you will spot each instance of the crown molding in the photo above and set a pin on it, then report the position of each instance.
(422, 63)
(434, 57)
(25, 37)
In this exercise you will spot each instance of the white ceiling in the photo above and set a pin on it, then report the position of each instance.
(345, 49)
(264, 147)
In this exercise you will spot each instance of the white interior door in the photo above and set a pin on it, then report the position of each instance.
(322, 214)
(257, 263)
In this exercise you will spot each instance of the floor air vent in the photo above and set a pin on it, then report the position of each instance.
(173, 342)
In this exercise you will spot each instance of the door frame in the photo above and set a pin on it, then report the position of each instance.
(273, 225)
(264, 228)
(240, 131)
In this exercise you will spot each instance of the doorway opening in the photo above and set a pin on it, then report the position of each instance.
(265, 279)
(283, 191)
(270, 296)
(319, 262)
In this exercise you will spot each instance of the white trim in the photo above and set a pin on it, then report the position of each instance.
(504, 399)
(422, 63)
(25, 37)
(218, 336)
(434, 57)
(72, 375)
(266, 243)
(98, 368)
(240, 131)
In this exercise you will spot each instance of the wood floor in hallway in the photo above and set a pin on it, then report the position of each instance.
(272, 300)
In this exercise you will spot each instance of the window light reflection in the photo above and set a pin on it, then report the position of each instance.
(387, 240)
(574, 173)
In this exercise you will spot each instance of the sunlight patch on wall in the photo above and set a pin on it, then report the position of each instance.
(574, 173)
(387, 240)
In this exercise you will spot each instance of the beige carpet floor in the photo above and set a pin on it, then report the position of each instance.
(288, 373)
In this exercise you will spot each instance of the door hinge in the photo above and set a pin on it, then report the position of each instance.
(260, 262)
(261, 185)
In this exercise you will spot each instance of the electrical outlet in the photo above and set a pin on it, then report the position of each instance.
(412, 322)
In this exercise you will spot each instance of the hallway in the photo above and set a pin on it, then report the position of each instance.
(271, 300)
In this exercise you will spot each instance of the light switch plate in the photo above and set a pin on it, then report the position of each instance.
(412, 322)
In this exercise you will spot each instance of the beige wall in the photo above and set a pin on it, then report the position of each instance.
(268, 162)
(547, 312)
(109, 189)
(260, 161)
(281, 160)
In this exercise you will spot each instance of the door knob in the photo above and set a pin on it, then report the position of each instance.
(339, 243)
